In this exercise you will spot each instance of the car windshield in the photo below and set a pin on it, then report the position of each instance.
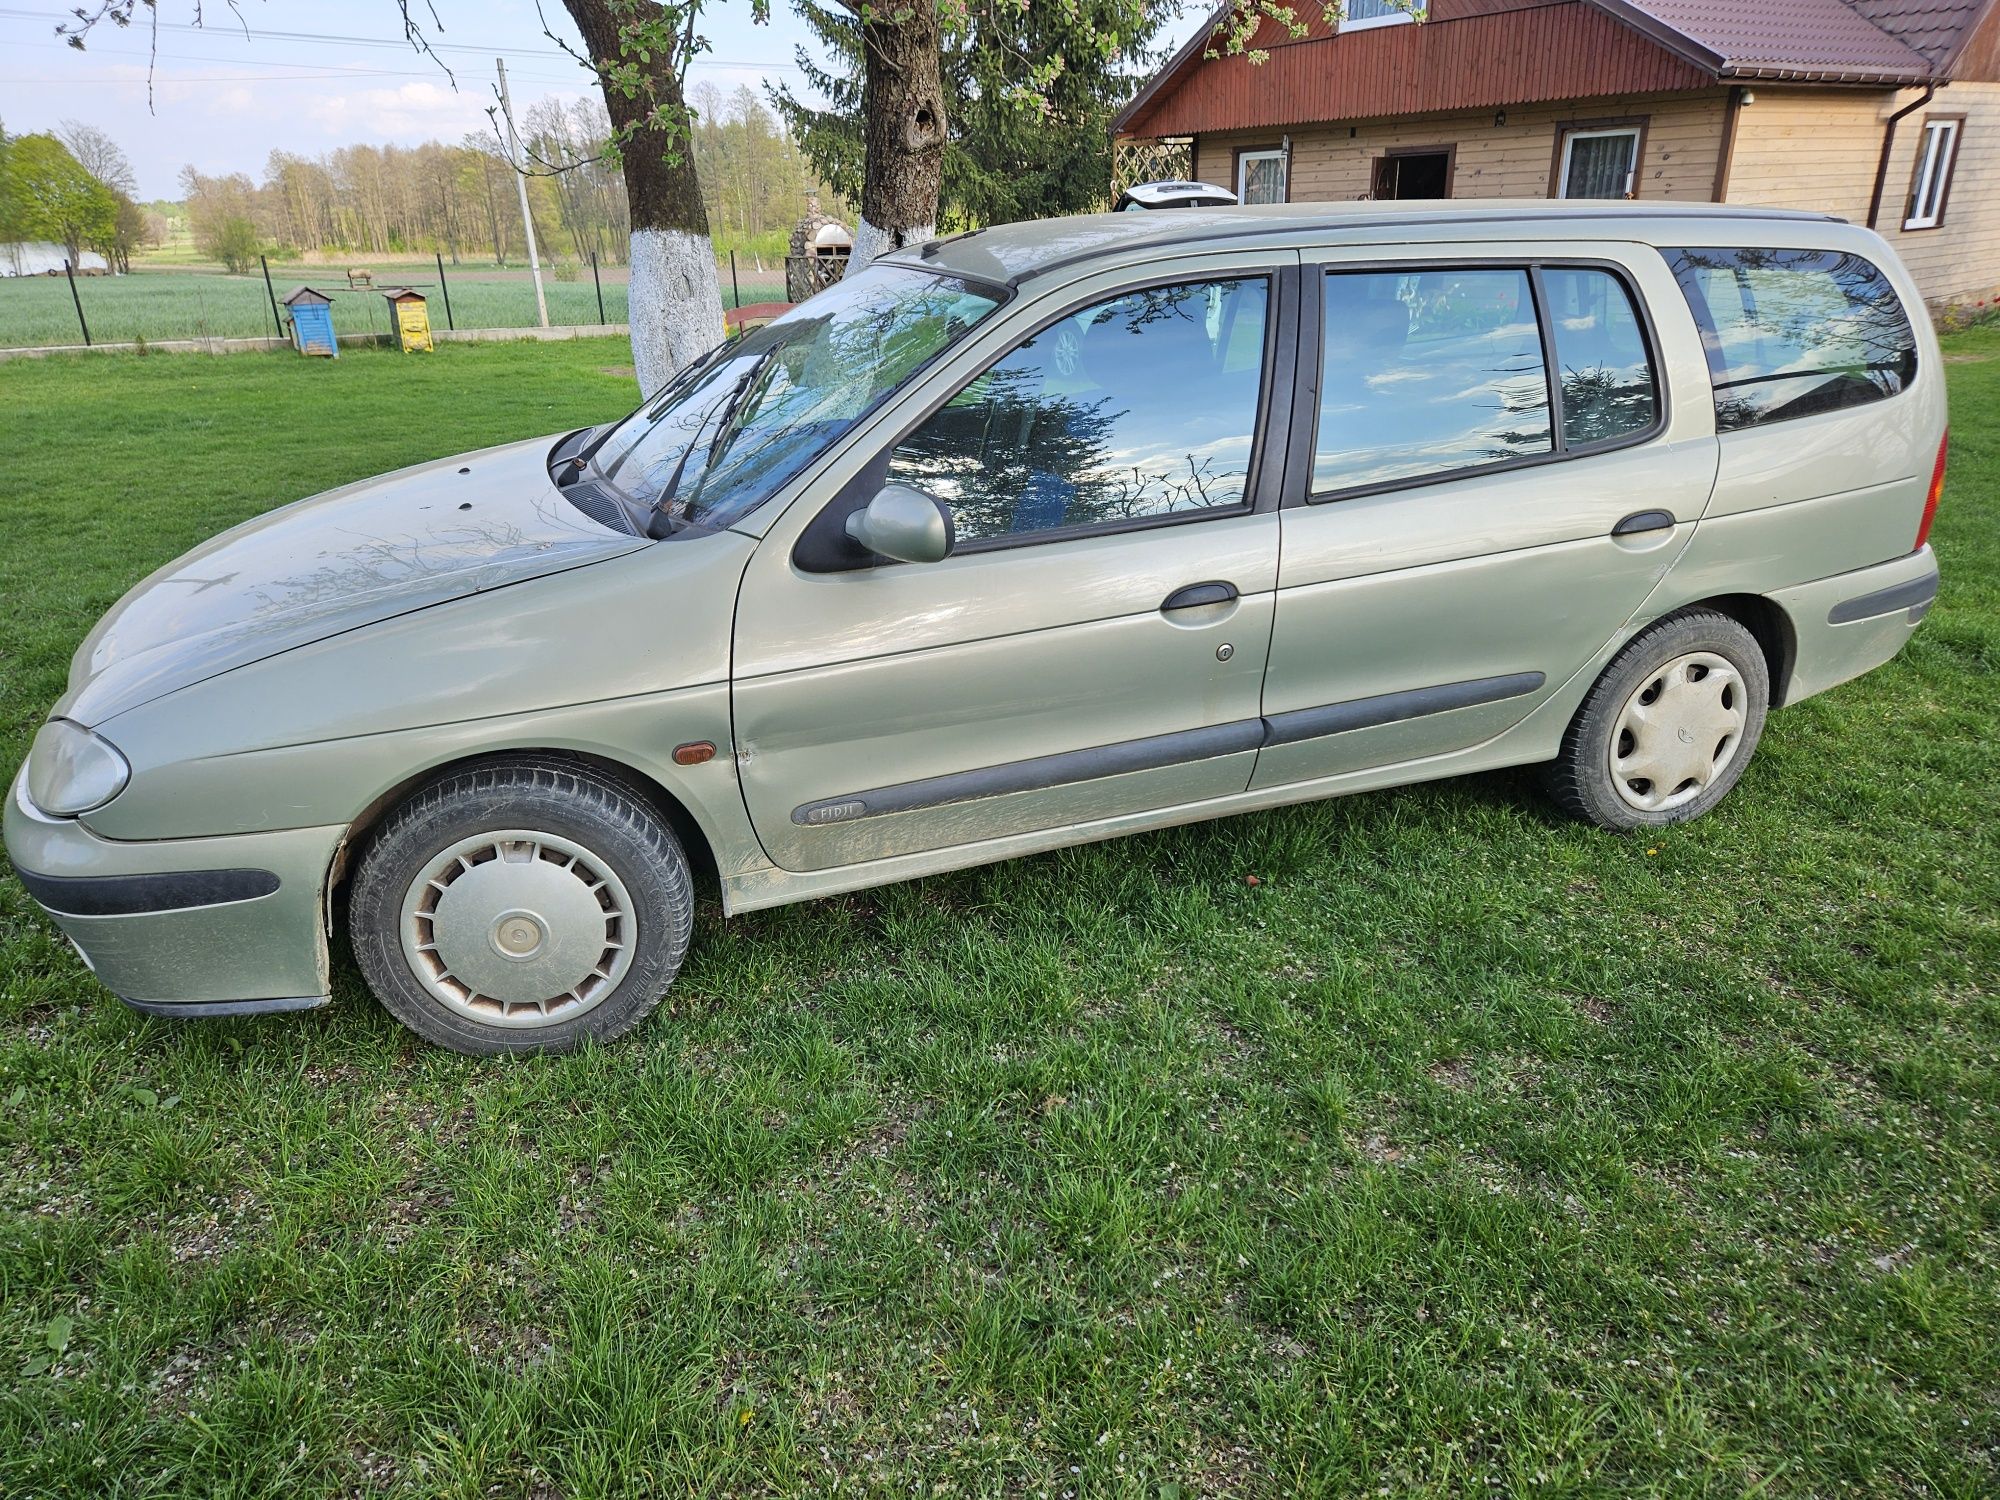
(731, 429)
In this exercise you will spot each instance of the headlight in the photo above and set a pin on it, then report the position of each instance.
(71, 770)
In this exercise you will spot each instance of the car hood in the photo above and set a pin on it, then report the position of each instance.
(332, 563)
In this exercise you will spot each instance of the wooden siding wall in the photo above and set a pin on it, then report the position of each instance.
(1536, 54)
(1817, 148)
(1809, 148)
(1683, 139)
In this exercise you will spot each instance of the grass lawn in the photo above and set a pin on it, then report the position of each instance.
(1469, 1151)
(198, 303)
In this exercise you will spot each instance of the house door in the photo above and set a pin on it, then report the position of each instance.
(1413, 174)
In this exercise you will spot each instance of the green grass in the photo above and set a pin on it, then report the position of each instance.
(1469, 1151)
(158, 305)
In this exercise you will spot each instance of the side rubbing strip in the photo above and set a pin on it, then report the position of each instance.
(1037, 774)
(1366, 713)
(133, 895)
(1044, 771)
(1916, 594)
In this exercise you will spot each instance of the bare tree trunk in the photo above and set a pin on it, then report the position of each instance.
(903, 127)
(675, 295)
(492, 214)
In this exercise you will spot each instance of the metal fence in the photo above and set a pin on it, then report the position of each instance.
(168, 306)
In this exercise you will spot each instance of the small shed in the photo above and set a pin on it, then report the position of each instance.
(410, 319)
(312, 321)
(818, 254)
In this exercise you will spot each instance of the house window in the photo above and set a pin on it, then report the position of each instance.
(1260, 176)
(1933, 175)
(1601, 163)
(1359, 15)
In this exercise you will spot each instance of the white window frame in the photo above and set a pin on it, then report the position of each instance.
(1939, 155)
(1276, 153)
(1571, 137)
(1393, 18)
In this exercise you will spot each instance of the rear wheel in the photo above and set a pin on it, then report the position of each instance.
(1669, 726)
(522, 907)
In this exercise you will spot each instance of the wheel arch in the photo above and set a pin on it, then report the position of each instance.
(1768, 623)
(672, 808)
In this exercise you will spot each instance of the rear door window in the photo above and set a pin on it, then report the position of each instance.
(1605, 372)
(1428, 373)
(1791, 333)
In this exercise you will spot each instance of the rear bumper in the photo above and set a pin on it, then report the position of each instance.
(189, 927)
(1853, 622)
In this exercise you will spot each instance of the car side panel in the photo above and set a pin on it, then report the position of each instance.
(1488, 577)
(923, 672)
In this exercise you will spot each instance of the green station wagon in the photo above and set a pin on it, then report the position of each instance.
(1035, 535)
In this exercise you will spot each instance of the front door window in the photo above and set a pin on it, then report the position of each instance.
(1601, 163)
(1136, 408)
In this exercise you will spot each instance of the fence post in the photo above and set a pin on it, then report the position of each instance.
(445, 287)
(735, 291)
(271, 292)
(598, 282)
(70, 272)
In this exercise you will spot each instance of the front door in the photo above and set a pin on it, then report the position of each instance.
(1413, 174)
(1095, 644)
(1474, 533)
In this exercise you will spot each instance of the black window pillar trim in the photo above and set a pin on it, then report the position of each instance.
(1551, 372)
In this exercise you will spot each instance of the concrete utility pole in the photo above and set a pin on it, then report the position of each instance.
(521, 182)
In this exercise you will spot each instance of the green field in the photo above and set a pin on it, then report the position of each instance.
(157, 304)
(1464, 1151)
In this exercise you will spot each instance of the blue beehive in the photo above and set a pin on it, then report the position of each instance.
(312, 321)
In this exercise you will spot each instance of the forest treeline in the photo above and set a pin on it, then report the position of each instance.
(460, 202)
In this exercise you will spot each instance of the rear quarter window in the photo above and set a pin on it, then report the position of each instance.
(1791, 333)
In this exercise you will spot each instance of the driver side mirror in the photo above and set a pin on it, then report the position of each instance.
(905, 524)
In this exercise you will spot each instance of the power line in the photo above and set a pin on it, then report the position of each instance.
(338, 70)
(321, 38)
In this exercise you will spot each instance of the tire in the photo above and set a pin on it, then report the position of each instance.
(474, 910)
(1668, 728)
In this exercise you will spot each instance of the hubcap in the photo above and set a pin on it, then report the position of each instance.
(1678, 732)
(518, 928)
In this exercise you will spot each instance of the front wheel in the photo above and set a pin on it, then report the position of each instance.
(1669, 726)
(522, 907)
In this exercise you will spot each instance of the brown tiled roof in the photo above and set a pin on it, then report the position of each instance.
(1933, 27)
(1503, 53)
(1817, 40)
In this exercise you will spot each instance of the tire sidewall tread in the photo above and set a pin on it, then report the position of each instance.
(571, 799)
(1579, 779)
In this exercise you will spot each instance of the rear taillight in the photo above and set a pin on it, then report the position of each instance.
(1937, 489)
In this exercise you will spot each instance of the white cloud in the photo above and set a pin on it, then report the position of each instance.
(419, 109)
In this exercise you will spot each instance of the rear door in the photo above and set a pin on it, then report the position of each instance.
(1472, 532)
(1095, 644)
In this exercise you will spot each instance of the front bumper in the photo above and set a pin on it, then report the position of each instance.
(191, 927)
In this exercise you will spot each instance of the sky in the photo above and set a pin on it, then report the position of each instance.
(309, 75)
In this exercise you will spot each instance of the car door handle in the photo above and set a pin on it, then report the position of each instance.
(1644, 520)
(1195, 595)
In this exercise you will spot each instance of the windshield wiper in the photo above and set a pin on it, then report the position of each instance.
(735, 402)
